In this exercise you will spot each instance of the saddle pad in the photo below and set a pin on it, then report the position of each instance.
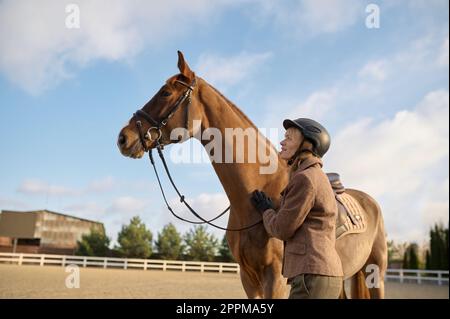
(351, 217)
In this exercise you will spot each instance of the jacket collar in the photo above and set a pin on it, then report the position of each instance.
(310, 161)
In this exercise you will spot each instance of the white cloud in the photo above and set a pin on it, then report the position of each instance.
(371, 80)
(324, 16)
(316, 105)
(102, 185)
(127, 204)
(13, 204)
(206, 205)
(308, 18)
(375, 70)
(39, 187)
(424, 53)
(89, 210)
(156, 216)
(443, 55)
(97, 186)
(113, 216)
(38, 51)
(227, 71)
(399, 161)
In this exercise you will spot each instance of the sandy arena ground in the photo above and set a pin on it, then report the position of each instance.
(49, 282)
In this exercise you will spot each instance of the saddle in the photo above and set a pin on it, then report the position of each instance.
(351, 217)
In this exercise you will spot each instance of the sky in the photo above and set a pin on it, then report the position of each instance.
(66, 90)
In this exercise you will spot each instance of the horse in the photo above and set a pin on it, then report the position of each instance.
(259, 256)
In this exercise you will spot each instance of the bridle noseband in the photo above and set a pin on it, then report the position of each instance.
(156, 127)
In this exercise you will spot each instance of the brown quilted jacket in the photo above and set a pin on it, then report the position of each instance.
(306, 222)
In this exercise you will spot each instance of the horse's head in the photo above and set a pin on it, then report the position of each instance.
(169, 109)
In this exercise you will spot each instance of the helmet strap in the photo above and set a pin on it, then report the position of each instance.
(297, 157)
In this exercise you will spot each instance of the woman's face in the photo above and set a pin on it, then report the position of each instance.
(292, 140)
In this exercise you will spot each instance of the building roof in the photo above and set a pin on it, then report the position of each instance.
(50, 212)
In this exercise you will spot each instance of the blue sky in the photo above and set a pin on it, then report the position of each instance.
(66, 93)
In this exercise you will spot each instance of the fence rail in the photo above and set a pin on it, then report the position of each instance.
(418, 276)
(124, 263)
(402, 275)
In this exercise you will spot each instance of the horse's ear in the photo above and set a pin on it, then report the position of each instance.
(184, 67)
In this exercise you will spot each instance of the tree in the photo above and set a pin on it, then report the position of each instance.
(413, 260)
(410, 257)
(224, 250)
(396, 253)
(169, 243)
(96, 243)
(405, 260)
(135, 240)
(438, 252)
(200, 245)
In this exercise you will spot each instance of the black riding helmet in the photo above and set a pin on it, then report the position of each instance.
(313, 132)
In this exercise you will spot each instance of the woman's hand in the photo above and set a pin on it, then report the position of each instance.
(261, 201)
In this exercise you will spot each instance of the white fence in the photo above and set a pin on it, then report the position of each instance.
(402, 275)
(123, 263)
(418, 276)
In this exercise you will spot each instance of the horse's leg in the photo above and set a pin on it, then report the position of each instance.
(274, 284)
(359, 288)
(251, 285)
(378, 257)
(343, 294)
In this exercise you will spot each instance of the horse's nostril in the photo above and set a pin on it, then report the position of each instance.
(122, 139)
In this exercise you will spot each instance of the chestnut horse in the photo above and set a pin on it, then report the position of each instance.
(185, 98)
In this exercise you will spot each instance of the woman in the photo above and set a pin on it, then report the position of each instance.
(306, 218)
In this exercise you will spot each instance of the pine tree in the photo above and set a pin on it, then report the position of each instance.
(96, 243)
(135, 240)
(413, 260)
(169, 244)
(446, 248)
(405, 260)
(200, 245)
(427, 260)
(438, 252)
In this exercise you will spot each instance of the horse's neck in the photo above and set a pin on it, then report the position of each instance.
(238, 179)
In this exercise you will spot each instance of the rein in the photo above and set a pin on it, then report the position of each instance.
(157, 128)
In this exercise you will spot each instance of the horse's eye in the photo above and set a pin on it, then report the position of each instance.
(165, 93)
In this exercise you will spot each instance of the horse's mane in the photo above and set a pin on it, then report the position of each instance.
(238, 111)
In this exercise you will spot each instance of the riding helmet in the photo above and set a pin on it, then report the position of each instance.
(312, 131)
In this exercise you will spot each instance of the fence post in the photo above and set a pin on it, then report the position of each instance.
(419, 278)
(105, 263)
(145, 264)
(202, 267)
(20, 259)
(164, 265)
(63, 261)
(183, 266)
(125, 264)
(84, 262)
(220, 268)
(439, 278)
(42, 260)
(401, 275)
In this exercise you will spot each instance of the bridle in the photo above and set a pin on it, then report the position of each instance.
(156, 126)
(163, 122)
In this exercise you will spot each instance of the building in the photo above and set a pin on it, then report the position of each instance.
(43, 232)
